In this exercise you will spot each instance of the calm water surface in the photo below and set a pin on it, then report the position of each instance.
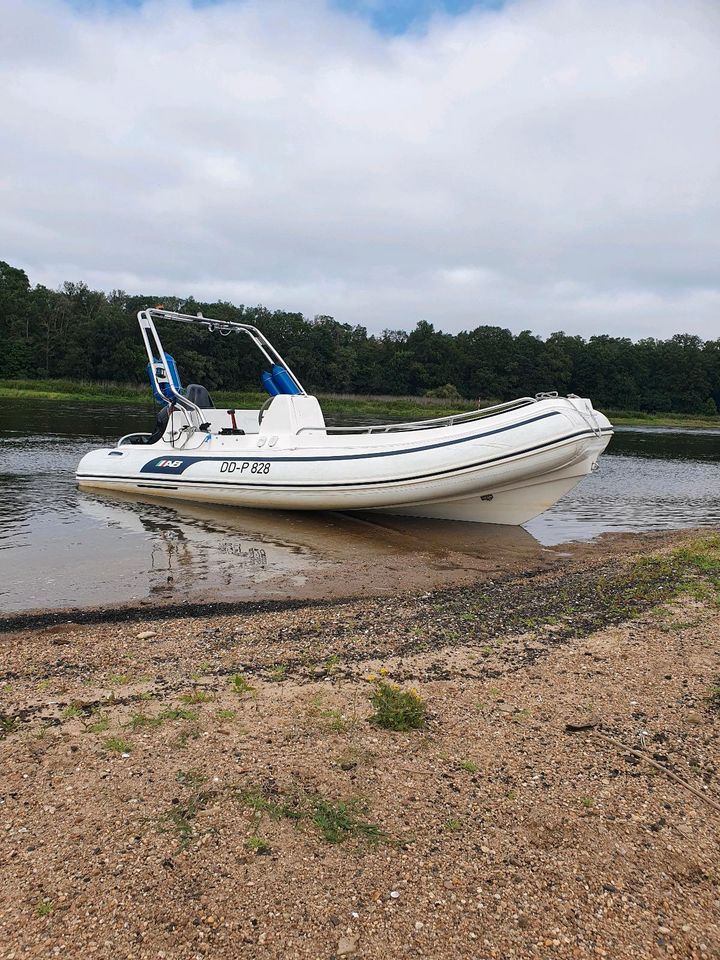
(60, 547)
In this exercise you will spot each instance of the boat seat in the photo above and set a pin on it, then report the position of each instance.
(161, 421)
(197, 394)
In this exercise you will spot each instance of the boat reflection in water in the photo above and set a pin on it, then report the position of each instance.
(196, 551)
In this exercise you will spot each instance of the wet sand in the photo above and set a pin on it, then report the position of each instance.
(346, 556)
(155, 805)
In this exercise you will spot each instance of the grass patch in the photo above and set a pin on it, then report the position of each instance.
(183, 738)
(179, 819)
(328, 718)
(72, 711)
(339, 405)
(668, 419)
(140, 721)
(8, 725)
(713, 698)
(178, 713)
(98, 726)
(258, 845)
(334, 405)
(469, 766)
(117, 745)
(333, 720)
(44, 908)
(692, 569)
(335, 820)
(226, 714)
(397, 709)
(81, 391)
(278, 673)
(144, 721)
(197, 696)
(240, 685)
(339, 821)
(190, 778)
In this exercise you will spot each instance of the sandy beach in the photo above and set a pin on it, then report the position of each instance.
(210, 783)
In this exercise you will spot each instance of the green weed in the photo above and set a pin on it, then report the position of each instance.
(335, 821)
(339, 821)
(190, 778)
(178, 713)
(139, 721)
(117, 745)
(191, 733)
(330, 719)
(179, 818)
(258, 845)
(197, 696)
(226, 714)
(397, 709)
(241, 685)
(72, 711)
(8, 725)
(98, 726)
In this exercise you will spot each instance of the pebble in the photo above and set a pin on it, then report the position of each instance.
(346, 946)
(146, 634)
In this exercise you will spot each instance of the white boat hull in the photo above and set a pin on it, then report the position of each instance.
(505, 468)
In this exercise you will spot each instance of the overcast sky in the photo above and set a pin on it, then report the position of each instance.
(540, 164)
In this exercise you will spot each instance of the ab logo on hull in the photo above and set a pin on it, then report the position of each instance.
(166, 465)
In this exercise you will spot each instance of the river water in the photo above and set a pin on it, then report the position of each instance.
(63, 548)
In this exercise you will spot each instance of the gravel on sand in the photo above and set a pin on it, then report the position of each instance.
(190, 787)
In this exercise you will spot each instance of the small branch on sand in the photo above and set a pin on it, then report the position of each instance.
(592, 725)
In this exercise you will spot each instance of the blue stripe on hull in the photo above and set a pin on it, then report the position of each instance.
(174, 465)
(365, 483)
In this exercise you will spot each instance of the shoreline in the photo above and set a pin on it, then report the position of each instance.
(213, 785)
(442, 571)
(333, 404)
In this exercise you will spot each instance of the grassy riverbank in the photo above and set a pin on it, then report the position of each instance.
(333, 404)
(636, 418)
(514, 769)
(379, 408)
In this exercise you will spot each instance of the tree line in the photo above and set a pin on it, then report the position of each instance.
(82, 334)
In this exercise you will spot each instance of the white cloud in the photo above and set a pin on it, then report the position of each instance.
(552, 165)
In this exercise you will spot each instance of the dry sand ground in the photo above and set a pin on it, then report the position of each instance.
(149, 809)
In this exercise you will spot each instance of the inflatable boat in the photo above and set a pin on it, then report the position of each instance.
(501, 464)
